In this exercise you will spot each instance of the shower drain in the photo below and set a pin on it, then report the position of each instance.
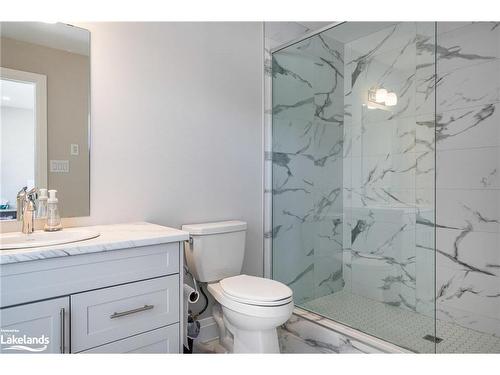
(433, 339)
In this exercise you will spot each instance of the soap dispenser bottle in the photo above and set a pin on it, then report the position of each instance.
(53, 218)
(41, 210)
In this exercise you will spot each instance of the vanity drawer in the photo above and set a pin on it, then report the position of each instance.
(32, 281)
(101, 316)
(161, 340)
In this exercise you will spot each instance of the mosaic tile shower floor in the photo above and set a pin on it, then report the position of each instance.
(401, 327)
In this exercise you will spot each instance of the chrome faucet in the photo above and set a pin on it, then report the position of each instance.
(26, 207)
(20, 198)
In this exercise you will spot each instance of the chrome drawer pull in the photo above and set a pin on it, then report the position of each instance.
(123, 313)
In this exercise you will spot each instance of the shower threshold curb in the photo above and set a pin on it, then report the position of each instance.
(363, 341)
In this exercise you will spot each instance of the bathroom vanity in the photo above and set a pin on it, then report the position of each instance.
(117, 293)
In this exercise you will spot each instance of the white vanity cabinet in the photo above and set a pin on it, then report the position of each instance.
(124, 300)
(47, 322)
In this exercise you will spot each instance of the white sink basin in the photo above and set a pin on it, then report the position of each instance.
(18, 240)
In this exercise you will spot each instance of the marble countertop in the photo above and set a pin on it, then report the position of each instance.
(112, 237)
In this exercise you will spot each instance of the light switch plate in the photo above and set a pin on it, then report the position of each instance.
(75, 150)
(59, 166)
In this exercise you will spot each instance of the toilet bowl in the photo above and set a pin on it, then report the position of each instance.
(248, 309)
(250, 317)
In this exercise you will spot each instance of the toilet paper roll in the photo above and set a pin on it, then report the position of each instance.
(190, 296)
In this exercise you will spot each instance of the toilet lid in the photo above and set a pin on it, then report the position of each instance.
(253, 289)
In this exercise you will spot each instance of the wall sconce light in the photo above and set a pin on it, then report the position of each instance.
(380, 95)
(381, 98)
(391, 99)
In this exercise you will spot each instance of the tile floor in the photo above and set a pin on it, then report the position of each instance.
(401, 327)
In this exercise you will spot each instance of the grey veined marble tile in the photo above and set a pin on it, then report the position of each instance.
(478, 209)
(468, 168)
(469, 251)
(468, 45)
(299, 335)
(470, 86)
(469, 298)
(470, 127)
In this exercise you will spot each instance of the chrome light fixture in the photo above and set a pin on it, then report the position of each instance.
(380, 98)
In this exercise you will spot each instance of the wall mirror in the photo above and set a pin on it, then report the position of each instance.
(45, 114)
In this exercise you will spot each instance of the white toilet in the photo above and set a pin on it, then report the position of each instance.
(252, 307)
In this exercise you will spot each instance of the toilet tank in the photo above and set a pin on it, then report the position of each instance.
(215, 250)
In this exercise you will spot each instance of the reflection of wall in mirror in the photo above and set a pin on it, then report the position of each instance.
(68, 76)
(17, 151)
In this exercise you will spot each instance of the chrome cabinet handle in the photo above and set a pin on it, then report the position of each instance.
(133, 311)
(62, 314)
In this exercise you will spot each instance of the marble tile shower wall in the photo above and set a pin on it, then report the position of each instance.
(389, 167)
(468, 185)
(375, 236)
(307, 174)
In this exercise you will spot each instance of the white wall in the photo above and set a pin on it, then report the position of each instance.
(177, 125)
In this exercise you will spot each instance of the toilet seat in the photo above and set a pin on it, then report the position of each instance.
(256, 291)
(251, 309)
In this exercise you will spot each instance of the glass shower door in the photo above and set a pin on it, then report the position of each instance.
(307, 168)
(353, 177)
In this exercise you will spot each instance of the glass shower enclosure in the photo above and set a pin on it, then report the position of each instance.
(363, 115)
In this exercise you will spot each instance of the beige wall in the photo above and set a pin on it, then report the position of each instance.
(67, 115)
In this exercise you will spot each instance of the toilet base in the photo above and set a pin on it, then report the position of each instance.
(225, 337)
(236, 340)
(256, 341)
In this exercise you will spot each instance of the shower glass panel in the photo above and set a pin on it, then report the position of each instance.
(467, 187)
(354, 177)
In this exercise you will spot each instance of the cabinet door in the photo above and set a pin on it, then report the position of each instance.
(39, 327)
